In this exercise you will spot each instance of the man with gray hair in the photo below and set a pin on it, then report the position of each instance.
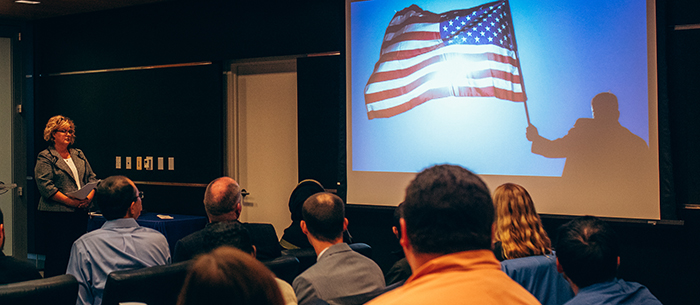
(223, 202)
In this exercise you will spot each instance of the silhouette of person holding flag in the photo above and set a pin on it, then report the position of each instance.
(600, 153)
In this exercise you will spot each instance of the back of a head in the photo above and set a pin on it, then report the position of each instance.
(301, 192)
(324, 214)
(222, 196)
(605, 106)
(448, 209)
(114, 196)
(518, 226)
(587, 250)
(227, 233)
(229, 275)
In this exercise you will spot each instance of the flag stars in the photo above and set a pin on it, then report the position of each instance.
(488, 28)
(476, 38)
(482, 33)
(451, 23)
(444, 28)
(490, 39)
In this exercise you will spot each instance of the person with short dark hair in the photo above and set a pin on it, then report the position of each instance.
(446, 231)
(588, 255)
(223, 202)
(401, 270)
(13, 270)
(120, 244)
(339, 272)
(229, 275)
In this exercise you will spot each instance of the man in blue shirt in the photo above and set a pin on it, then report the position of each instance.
(120, 244)
(588, 256)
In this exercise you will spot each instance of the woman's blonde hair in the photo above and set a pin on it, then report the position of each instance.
(518, 227)
(55, 123)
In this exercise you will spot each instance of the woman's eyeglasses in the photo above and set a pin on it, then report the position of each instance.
(66, 131)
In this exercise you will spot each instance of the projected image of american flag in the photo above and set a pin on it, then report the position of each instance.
(461, 53)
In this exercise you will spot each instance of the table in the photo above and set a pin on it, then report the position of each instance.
(173, 229)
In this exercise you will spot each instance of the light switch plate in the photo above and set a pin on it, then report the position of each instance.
(128, 162)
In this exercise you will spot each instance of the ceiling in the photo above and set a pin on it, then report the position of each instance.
(9, 10)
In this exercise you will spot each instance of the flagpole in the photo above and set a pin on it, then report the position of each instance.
(517, 54)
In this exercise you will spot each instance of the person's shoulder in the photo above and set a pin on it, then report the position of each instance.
(46, 154)
(584, 122)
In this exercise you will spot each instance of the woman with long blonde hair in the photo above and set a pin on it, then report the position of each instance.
(519, 231)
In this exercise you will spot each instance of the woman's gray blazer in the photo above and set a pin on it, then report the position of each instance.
(52, 174)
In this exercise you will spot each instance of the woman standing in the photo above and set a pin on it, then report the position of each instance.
(519, 231)
(61, 169)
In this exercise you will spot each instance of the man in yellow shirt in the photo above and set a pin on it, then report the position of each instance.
(446, 229)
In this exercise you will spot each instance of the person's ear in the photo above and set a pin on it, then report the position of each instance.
(396, 231)
(559, 268)
(618, 261)
(303, 227)
(2, 235)
(239, 209)
(345, 224)
(255, 251)
(404, 237)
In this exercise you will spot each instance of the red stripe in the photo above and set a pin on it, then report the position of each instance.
(446, 92)
(391, 93)
(396, 74)
(401, 55)
(418, 36)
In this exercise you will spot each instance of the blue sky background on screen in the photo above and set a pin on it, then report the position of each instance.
(569, 52)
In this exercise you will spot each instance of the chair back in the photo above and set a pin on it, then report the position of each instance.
(538, 274)
(60, 290)
(284, 267)
(157, 285)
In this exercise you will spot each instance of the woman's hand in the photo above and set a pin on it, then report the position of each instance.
(70, 201)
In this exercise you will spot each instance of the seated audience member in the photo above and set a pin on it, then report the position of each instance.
(446, 225)
(120, 244)
(229, 276)
(223, 202)
(401, 270)
(13, 270)
(234, 234)
(293, 237)
(588, 256)
(339, 272)
(519, 231)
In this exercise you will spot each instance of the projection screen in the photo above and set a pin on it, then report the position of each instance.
(505, 89)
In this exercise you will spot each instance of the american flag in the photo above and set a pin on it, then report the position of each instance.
(462, 53)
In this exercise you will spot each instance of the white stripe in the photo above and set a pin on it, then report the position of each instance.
(459, 70)
(475, 83)
(461, 49)
(411, 45)
(401, 18)
(433, 84)
(414, 27)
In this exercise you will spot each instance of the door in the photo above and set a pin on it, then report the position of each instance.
(263, 153)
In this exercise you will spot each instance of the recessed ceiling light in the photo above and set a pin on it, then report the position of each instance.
(27, 2)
